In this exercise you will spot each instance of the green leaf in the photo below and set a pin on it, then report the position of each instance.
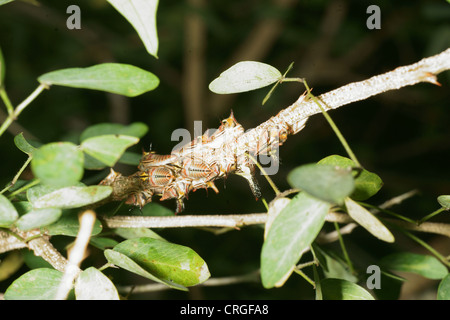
(142, 16)
(8, 214)
(292, 231)
(165, 260)
(424, 265)
(332, 265)
(444, 289)
(367, 183)
(368, 221)
(59, 164)
(72, 197)
(38, 218)
(37, 284)
(108, 148)
(23, 144)
(275, 207)
(121, 260)
(339, 289)
(136, 129)
(245, 76)
(325, 182)
(131, 233)
(103, 243)
(444, 201)
(40, 190)
(2, 2)
(92, 284)
(117, 78)
(69, 225)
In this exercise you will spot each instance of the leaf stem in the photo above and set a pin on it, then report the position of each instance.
(16, 177)
(31, 184)
(14, 114)
(272, 184)
(333, 126)
(426, 246)
(6, 101)
(344, 250)
(431, 215)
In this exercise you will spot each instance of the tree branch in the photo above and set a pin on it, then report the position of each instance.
(240, 220)
(296, 115)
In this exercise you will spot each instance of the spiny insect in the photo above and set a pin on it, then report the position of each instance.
(197, 164)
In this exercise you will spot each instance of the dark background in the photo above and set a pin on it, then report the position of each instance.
(403, 136)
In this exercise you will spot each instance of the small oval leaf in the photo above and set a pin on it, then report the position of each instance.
(59, 164)
(108, 148)
(69, 225)
(292, 231)
(37, 284)
(367, 183)
(72, 197)
(142, 16)
(121, 260)
(116, 78)
(444, 201)
(444, 289)
(424, 265)
(165, 260)
(368, 221)
(92, 284)
(8, 213)
(245, 76)
(326, 182)
(136, 129)
(23, 144)
(38, 218)
(339, 289)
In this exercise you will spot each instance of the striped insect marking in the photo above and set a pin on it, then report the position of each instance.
(158, 176)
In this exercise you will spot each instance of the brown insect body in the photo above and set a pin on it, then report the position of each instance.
(205, 159)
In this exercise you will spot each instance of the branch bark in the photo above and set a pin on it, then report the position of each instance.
(296, 115)
(240, 220)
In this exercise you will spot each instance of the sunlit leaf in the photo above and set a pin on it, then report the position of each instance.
(326, 182)
(92, 284)
(23, 144)
(108, 148)
(8, 214)
(117, 78)
(136, 129)
(121, 260)
(72, 197)
(69, 225)
(424, 265)
(245, 76)
(142, 16)
(37, 284)
(444, 289)
(368, 221)
(366, 183)
(38, 218)
(165, 260)
(59, 164)
(275, 207)
(292, 231)
(444, 201)
(339, 289)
